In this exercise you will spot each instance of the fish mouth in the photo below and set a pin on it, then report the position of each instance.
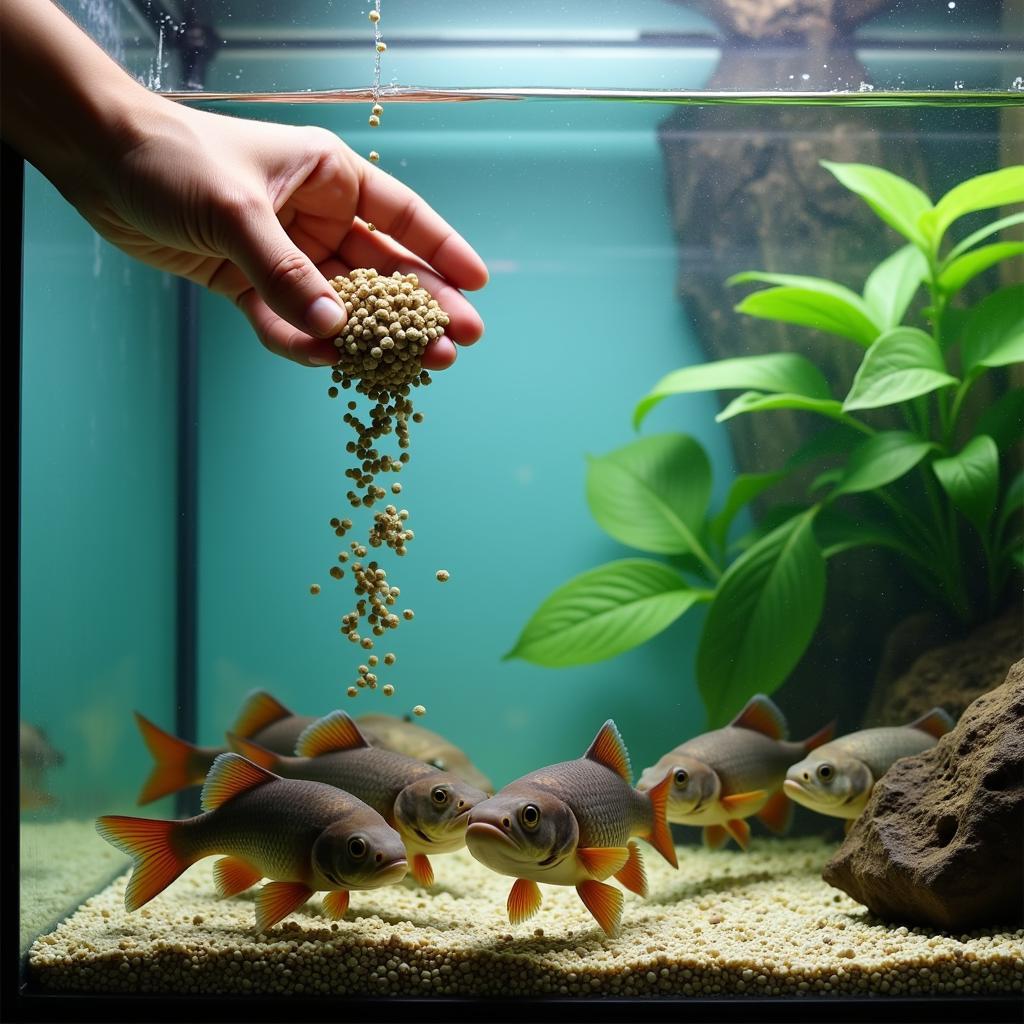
(795, 791)
(393, 872)
(488, 832)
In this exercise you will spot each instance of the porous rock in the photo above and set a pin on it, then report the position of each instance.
(941, 841)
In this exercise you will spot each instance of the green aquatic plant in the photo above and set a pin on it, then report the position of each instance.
(935, 491)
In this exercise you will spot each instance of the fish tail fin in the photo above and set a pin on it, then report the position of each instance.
(179, 764)
(821, 737)
(660, 836)
(151, 845)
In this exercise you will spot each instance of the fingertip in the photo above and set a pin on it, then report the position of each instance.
(439, 354)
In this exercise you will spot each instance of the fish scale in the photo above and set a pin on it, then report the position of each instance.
(878, 748)
(607, 809)
(374, 775)
(745, 760)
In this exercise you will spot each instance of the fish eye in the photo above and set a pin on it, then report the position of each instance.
(439, 795)
(826, 772)
(682, 776)
(357, 847)
(530, 816)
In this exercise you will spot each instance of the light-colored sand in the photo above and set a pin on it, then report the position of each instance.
(62, 862)
(756, 924)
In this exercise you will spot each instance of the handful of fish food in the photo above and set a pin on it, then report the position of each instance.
(427, 806)
(719, 779)
(837, 778)
(571, 824)
(266, 721)
(305, 836)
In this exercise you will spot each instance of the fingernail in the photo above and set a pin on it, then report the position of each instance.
(323, 317)
(318, 361)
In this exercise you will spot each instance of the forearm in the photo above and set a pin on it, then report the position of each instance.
(66, 106)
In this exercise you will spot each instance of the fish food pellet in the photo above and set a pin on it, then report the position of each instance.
(442, 575)
(377, 109)
(389, 659)
(374, 16)
(374, 156)
(382, 47)
(374, 121)
(314, 588)
(370, 227)
(352, 691)
(388, 690)
(419, 711)
(408, 614)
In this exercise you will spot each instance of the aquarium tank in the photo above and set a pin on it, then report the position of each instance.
(663, 655)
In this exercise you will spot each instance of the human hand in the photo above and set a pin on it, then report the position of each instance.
(264, 213)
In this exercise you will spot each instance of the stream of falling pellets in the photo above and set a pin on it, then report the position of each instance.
(376, 51)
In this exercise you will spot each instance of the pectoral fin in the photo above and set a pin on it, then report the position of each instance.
(605, 903)
(742, 805)
(602, 861)
(715, 837)
(739, 830)
(634, 876)
(335, 903)
(276, 900)
(523, 900)
(232, 875)
(422, 871)
(777, 813)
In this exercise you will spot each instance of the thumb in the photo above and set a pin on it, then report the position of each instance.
(284, 277)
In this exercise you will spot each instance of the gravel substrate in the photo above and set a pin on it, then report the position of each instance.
(760, 923)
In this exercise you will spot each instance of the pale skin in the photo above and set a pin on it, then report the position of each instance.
(264, 214)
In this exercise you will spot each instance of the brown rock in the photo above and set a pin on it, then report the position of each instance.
(949, 676)
(941, 841)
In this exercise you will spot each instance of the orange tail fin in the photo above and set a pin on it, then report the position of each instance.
(179, 764)
(660, 836)
(821, 737)
(150, 844)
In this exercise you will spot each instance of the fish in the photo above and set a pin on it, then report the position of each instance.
(36, 754)
(305, 836)
(427, 806)
(393, 733)
(722, 777)
(838, 777)
(572, 823)
(263, 719)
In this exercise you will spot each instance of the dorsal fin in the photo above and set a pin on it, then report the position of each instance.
(761, 715)
(335, 731)
(609, 750)
(935, 722)
(259, 710)
(230, 775)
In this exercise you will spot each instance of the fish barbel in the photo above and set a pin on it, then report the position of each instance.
(837, 778)
(427, 806)
(305, 836)
(571, 824)
(722, 777)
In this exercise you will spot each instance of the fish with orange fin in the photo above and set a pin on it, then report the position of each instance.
(572, 824)
(305, 836)
(266, 721)
(427, 806)
(837, 778)
(722, 777)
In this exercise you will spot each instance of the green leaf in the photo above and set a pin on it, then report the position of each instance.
(1013, 501)
(904, 363)
(893, 283)
(652, 494)
(971, 479)
(880, 460)
(837, 532)
(982, 233)
(745, 488)
(994, 333)
(998, 188)
(755, 401)
(1003, 420)
(773, 518)
(775, 371)
(975, 262)
(899, 203)
(827, 442)
(811, 302)
(763, 616)
(603, 612)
